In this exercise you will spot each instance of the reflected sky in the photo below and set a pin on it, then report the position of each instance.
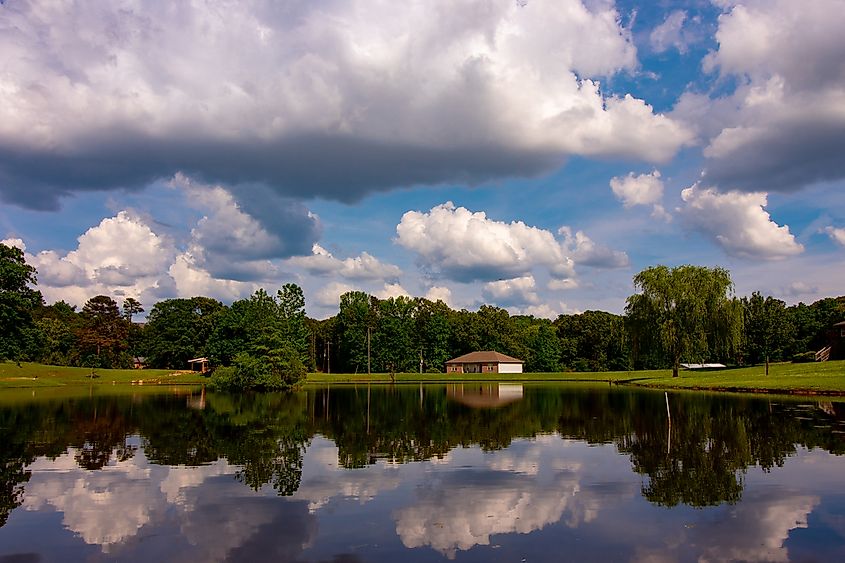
(542, 497)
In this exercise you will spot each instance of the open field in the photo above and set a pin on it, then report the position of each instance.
(39, 375)
(810, 378)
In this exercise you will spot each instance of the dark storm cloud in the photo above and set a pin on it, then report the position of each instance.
(333, 167)
(336, 100)
(784, 157)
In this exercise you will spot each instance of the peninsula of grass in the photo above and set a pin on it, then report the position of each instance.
(38, 375)
(824, 378)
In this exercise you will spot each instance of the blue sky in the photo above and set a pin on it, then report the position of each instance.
(532, 155)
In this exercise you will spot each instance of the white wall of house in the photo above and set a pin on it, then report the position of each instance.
(510, 368)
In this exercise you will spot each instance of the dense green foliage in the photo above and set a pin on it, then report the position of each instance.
(686, 313)
(17, 300)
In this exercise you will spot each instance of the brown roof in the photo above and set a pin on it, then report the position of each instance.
(487, 356)
(840, 324)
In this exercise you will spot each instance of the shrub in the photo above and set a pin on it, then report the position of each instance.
(223, 378)
(269, 370)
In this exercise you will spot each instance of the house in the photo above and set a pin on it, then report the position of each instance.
(484, 362)
(202, 363)
(139, 362)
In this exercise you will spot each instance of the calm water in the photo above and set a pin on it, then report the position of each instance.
(468, 473)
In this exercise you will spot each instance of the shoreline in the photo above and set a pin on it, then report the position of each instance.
(811, 379)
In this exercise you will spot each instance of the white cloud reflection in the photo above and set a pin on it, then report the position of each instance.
(109, 506)
(522, 490)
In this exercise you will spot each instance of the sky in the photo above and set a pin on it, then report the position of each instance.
(529, 154)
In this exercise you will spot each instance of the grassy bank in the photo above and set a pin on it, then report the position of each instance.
(811, 378)
(39, 375)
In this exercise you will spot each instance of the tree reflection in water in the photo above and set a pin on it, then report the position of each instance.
(700, 461)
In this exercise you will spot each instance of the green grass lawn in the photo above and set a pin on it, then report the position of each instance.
(39, 375)
(824, 377)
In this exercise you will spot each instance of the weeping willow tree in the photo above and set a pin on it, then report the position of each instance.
(684, 313)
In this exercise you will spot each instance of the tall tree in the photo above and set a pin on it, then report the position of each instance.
(393, 340)
(353, 319)
(292, 313)
(544, 347)
(433, 332)
(103, 336)
(179, 329)
(17, 301)
(767, 329)
(596, 340)
(688, 312)
(131, 307)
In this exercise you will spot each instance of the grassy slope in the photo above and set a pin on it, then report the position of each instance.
(826, 377)
(38, 375)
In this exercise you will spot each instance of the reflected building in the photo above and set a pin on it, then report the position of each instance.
(485, 395)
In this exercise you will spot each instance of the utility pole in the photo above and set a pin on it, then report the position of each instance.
(421, 361)
(328, 356)
(368, 350)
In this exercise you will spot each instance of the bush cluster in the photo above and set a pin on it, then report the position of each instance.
(270, 370)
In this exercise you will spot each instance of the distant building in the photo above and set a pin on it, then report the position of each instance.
(139, 362)
(199, 364)
(837, 341)
(484, 362)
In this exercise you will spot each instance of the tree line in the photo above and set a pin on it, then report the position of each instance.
(687, 313)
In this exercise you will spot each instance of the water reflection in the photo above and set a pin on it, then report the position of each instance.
(127, 476)
(485, 395)
(463, 508)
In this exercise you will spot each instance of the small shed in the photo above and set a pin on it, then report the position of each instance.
(487, 361)
(139, 362)
(199, 364)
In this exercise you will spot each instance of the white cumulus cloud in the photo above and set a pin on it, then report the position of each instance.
(362, 267)
(670, 33)
(586, 252)
(466, 245)
(329, 294)
(836, 235)
(782, 127)
(516, 291)
(738, 222)
(439, 293)
(392, 290)
(642, 189)
(121, 256)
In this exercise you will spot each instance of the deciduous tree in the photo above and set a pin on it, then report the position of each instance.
(17, 301)
(103, 336)
(688, 312)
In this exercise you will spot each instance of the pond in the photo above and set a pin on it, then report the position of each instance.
(480, 472)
